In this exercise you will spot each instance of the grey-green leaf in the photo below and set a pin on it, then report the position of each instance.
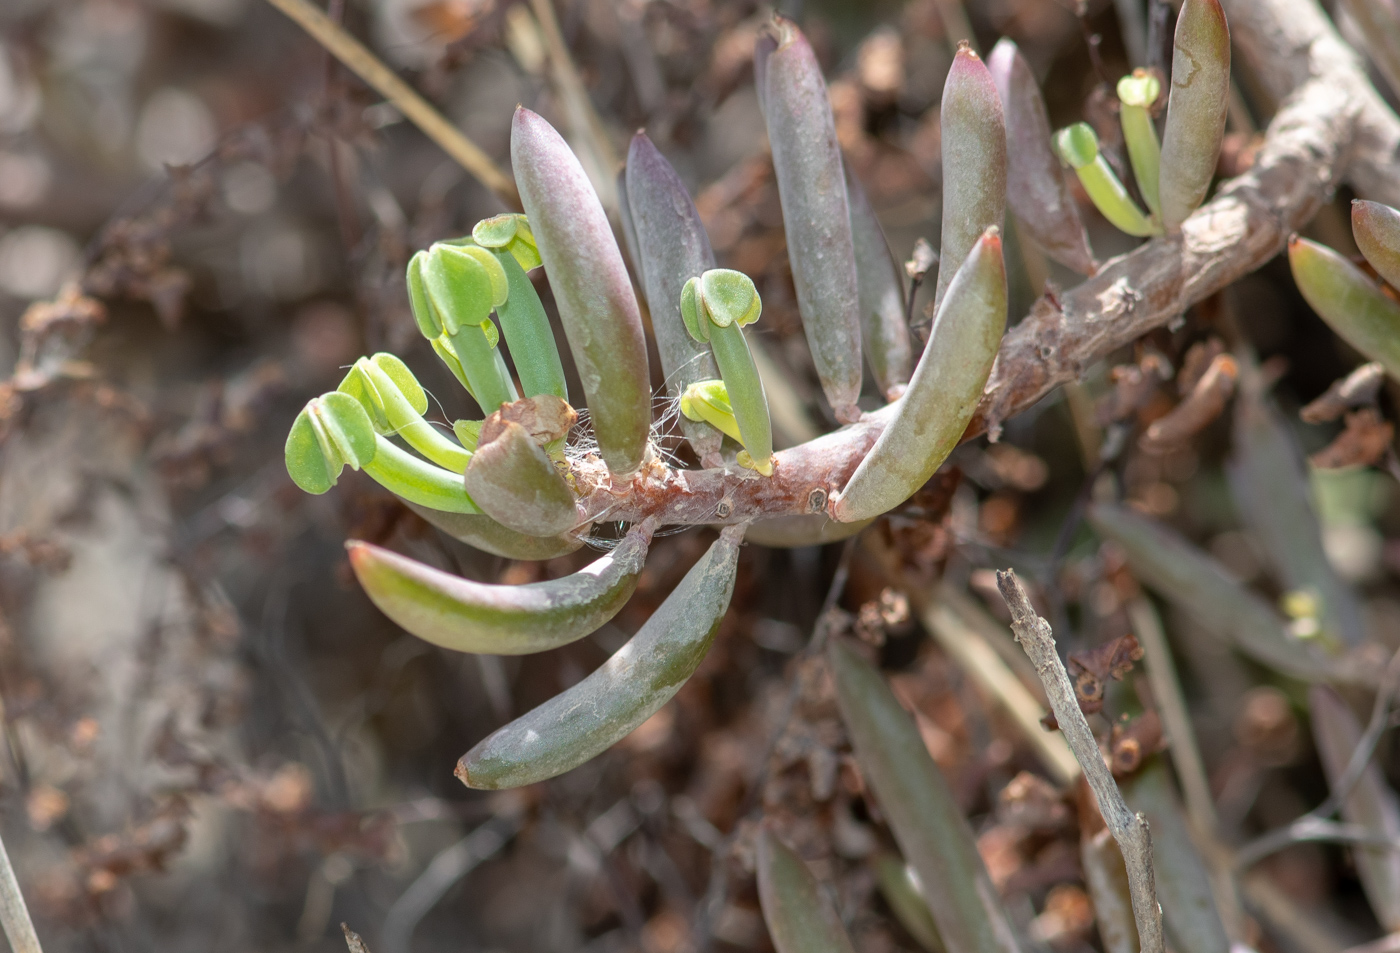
(799, 914)
(467, 616)
(1196, 109)
(482, 532)
(605, 707)
(816, 216)
(921, 810)
(591, 287)
(940, 400)
(883, 319)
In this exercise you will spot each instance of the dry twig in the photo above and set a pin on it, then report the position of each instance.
(14, 915)
(1129, 829)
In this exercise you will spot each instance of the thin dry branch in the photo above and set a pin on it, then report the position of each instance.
(1129, 829)
(14, 915)
(387, 83)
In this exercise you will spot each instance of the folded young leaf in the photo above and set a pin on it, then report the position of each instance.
(1196, 109)
(921, 810)
(816, 215)
(672, 248)
(1376, 228)
(395, 402)
(514, 482)
(799, 915)
(1372, 804)
(883, 319)
(1106, 876)
(1203, 589)
(482, 532)
(1183, 881)
(1036, 189)
(591, 287)
(941, 398)
(605, 707)
(974, 163)
(900, 888)
(1347, 299)
(331, 432)
(1136, 94)
(467, 616)
(1078, 147)
(460, 285)
(528, 334)
(1269, 482)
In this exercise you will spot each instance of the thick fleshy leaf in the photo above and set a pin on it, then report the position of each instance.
(900, 887)
(1106, 876)
(974, 163)
(482, 532)
(514, 482)
(920, 808)
(467, 616)
(1349, 301)
(1078, 147)
(940, 400)
(1204, 590)
(528, 334)
(1196, 109)
(1376, 228)
(331, 432)
(591, 287)
(1036, 189)
(1136, 94)
(1183, 881)
(746, 394)
(799, 914)
(417, 481)
(1372, 804)
(629, 232)
(592, 716)
(672, 248)
(816, 215)
(462, 284)
(1269, 481)
(883, 319)
(708, 402)
(395, 402)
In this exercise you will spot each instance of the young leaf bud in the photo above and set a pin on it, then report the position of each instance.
(1136, 94)
(1078, 147)
(509, 232)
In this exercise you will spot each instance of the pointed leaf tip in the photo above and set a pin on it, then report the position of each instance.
(1376, 228)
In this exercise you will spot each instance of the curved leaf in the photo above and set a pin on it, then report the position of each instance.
(467, 616)
(1376, 228)
(1349, 301)
(528, 334)
(940, 400)
(605, 707)
(482, 532)
(591, 287)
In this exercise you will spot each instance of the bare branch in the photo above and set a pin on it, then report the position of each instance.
(1129, 829)
(14, 915)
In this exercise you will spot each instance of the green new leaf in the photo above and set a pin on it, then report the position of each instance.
(395, 401)
(333, 431)
(708, 401)
(509, 232)
(941, 398)
(591, 287)
(1196, 109)
(816, 216)
(514, 482)
(799, 915)
(1036, 189)
(460, 284)
(921, 810)
(1136, 94)
(527, 331)
(608, 705)
(467, 616)
(1078, 147)
(974, 163)
(883, 320)
(1376, 228)
(1347, 299)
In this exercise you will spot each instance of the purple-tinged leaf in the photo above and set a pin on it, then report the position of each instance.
(883, 319)
(1376, 228)
(482, 532)
(1036, 189)
(514, 482)
(816, 215)
(591, 287)
(974, 163)
(1196, 109)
